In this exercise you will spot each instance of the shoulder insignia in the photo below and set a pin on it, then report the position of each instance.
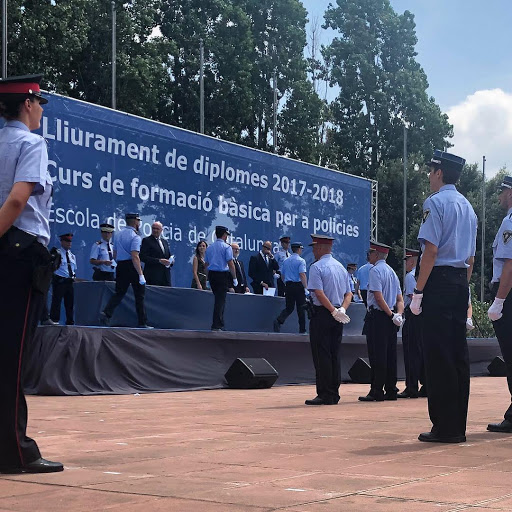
(433, 194)
(507, 236)
(426, 213)
(98, 243)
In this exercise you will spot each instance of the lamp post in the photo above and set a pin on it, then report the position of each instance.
(201, 86)
(114, 55)
(482, 257)
(406, 126)
(4, 38)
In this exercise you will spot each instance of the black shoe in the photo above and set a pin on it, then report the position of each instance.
(390, 396)
(49, 321)
(104, 319)
(303, 332)
(370, 398)
(505, 426)
(422, 393)
(38, 466)
(407, 394)
(145, 326)
(429, 437)
(316, 401)
(277, 326)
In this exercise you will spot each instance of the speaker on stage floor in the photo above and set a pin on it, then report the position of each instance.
(251, 373)
(498, 367)
(361, 371)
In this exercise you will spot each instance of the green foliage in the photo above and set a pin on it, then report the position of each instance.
(483, 326)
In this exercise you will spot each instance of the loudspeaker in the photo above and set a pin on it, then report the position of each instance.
(251, 373)
(361, 371)
(497, 368)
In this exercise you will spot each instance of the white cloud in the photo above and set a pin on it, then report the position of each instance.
(482, 125)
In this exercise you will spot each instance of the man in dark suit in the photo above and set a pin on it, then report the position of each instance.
(156, 256)
(242, 286)
(262, 267)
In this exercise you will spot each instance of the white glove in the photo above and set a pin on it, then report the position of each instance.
(398, 319)
(340, 315)
(306, 292)
(207, 285)
(416, 303)
(171, 259)
(142, 280)
(235, 282)
(495, 311)
(469, 324)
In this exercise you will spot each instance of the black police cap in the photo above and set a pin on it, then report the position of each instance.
(107, 228)
(506, 183)
(132, 216)
(297, 245)
(446, 161)
(220, 230)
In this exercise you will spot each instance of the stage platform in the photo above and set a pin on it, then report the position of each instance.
(71, 360)
(261, 451)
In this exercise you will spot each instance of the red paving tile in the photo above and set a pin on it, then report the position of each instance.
(261, 451)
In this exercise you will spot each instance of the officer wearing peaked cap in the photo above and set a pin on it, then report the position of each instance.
(293, 272)
(280, 257)
(129, 271)
(448, 241)
(330, 289)
(102, 255)
(219, 257)
(500, 312)
(381, 324)
(25, 204)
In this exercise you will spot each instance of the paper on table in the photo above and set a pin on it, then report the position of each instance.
(270, 291)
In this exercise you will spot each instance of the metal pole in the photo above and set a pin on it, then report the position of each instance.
(201, 87)
(114, 55)
(4, 38)
(405, 203)
(482, 255)
(275, 110)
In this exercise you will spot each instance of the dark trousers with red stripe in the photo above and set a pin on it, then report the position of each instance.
(20, 310)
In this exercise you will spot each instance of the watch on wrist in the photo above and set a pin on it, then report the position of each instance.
(416, 291)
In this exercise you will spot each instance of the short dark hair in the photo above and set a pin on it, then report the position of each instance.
(296, 249)
(450, 176)
(10, 106)
(219, 231)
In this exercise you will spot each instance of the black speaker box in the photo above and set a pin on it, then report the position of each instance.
(361, 371)
(251, 373)
(497, 368)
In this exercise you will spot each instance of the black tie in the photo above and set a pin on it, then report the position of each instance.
(70, 272)
(109, 253)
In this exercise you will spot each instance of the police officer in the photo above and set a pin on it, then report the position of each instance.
(25, 203)
(384, 318)
(448, 241)
(129, 271)
(102, 255)
(356, 294)
(219, 257)
(330, 288)
(62, 282)
(363, 275)
(411, 333)
(293, 273)
(280, 257)
(500, 312)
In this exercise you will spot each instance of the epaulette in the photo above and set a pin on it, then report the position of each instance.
(98, 243)
(433, 194)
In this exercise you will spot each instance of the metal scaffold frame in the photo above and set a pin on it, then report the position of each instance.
(375, 213)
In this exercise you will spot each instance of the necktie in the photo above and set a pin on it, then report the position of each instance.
(109, 252)
(70, 272)
(161, 245)
(287, 254)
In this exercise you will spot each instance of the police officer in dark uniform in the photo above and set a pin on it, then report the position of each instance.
(63, 281)
(25, 263)
(448, 241)
(330, 288)
(411, 333)
(219, 257)
(129, 271)
(382, 321)
(500, 312)
(293, 273)
(102, 255)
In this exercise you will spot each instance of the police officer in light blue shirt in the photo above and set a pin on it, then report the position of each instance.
(293, 272)
(500, 312)
(384, 318)
(219, 257)
(102, 255)
(280, 257)
(448, 240)
(129, 271)
(362, 275)
(25, 203)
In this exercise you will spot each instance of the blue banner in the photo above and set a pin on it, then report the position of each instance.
(106, 163)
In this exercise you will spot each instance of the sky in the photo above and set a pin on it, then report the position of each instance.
(464, 48)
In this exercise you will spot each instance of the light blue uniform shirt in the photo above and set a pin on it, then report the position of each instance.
(63, 270)
(502, 247)
(410, 284)
(99, 251)
(126, 241)
(281, 256)
(383, 279)
(292, 267)
(24, 158)
(363, 275)
(217, 256)
(450, 223)
(330, 276)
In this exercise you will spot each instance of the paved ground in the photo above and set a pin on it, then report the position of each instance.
(261, 450)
